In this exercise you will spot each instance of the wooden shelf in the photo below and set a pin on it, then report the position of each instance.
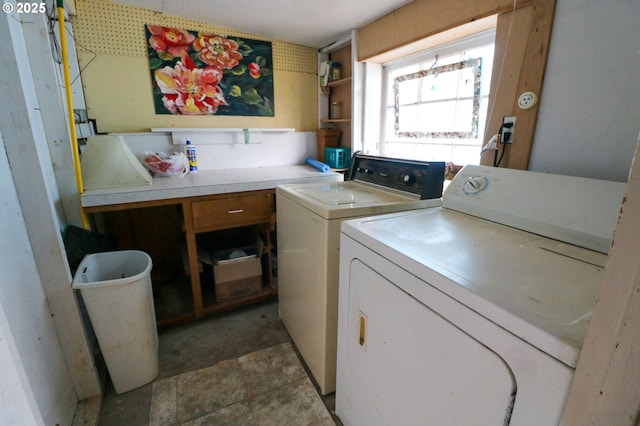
(336, 120)
(341, 82)
(326, 90)
(338, 92)
(211, 307)
(178, 294)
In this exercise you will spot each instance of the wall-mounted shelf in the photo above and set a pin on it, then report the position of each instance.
(204, 136)
(336, 120)
(338, 92)
(222, 130)
(341, 82)
(326, 90)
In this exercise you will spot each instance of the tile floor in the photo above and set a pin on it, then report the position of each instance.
(237, 368)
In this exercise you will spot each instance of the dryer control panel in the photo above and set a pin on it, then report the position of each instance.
(576, 210)
(424, 179)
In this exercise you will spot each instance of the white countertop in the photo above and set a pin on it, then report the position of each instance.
(208, 182)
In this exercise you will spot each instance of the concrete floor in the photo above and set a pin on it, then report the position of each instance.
(247, 342)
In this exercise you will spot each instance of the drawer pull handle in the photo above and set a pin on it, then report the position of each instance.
(235, 211)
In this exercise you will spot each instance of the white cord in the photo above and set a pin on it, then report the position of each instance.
(492, 144)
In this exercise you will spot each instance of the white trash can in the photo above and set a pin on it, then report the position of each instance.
(116, 289)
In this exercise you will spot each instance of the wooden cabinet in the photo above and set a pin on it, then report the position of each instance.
(237, 210)
(241, 211)
(340, 91)
(172, 231)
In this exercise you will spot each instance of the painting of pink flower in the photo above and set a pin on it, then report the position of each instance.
(170, 42)
(189, 90)
(218, 51)
(200, 73)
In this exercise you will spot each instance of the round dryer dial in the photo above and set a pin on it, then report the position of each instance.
(408, 179)
(475, 184)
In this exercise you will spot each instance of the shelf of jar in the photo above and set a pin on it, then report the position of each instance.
(342, 82)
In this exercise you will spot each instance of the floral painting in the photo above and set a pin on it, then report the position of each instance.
(195, 73)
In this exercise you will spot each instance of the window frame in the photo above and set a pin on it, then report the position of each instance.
(476, 40)
(476, 65)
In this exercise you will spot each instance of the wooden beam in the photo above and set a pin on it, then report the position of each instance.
(522, 45)
(425, 18)
(605, 388)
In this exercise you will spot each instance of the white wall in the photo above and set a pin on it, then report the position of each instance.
(42, 389)
(51, 365)
(218, 149)
(16, 400)
(49, 86)
(589, 116)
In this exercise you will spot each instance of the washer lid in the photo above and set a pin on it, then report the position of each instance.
(345, 193)
(336, 200)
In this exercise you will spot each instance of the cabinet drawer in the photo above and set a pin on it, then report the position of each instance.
(227, 212)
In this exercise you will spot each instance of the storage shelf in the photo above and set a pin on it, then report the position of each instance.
(326, 90)
(221, 129)
(338, 92)
(336, 120)
(210, 306)
(341, 82)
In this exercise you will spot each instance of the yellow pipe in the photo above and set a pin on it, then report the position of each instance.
(72, 123)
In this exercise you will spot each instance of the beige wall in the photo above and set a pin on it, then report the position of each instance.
(111, 45)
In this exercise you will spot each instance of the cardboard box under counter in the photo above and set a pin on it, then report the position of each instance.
(239, 278)
(237, 272)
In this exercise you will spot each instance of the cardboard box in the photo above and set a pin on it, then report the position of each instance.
(240, 278)
(237, 272)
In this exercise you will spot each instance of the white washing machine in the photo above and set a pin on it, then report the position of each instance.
(475, 313)
(308, 236)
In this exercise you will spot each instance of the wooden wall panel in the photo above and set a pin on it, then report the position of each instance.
(605, 388)
(422, 19)
(522, 44)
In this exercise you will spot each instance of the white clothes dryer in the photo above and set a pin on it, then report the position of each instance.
(308, 237)
(475, 313)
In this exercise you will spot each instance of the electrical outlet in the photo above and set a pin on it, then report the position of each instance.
(527, 100)
(508, 129)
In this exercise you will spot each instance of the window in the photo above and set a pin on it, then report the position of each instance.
(436, 101)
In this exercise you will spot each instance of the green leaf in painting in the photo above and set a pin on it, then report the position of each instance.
(235, 91)
(260, 60)
(155, 63)
(165, 56)
(251, 97)
(239, 70)
(267, 108)
(245, 49)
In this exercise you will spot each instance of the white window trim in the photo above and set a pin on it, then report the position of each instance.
(468, 42)
(476, 65)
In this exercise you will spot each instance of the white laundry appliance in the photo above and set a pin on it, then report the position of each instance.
(308, 236)
(475, 313)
